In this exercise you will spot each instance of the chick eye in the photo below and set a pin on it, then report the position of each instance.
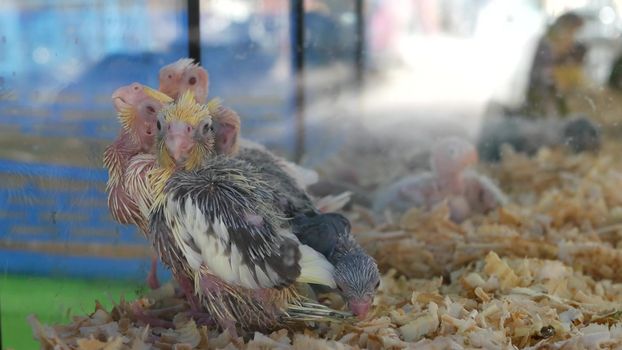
(339, 288)
(377, 285)
(150, 109)
(207, 127)
(159, 125)
(192, 81)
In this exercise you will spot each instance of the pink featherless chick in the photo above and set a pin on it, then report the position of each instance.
(465, 191)
(482, 193)
(182, 75)
(137, 107)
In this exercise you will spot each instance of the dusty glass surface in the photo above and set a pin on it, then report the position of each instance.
(361, 95)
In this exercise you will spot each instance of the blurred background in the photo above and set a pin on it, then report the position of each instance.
(311, 80)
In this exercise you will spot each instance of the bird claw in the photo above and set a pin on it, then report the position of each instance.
(141, 315)
(152, 278)
(229, 326)
(187, 291)
(201, 318)
(152, 281)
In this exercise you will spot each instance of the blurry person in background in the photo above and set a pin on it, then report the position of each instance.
(556, 49)
(568, 72)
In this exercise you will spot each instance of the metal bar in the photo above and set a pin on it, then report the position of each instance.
(298, 52)
(359, 53)
(194, 30)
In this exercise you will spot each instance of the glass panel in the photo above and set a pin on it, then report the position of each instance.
(476, 160)
(329, 73)
(60, 61)
(246, 50)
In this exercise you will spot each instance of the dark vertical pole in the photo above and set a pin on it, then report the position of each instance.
(298, 52)
(194, 30)
(359, 53)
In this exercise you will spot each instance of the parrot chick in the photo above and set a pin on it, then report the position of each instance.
(578, 134)
(354, 267)
(466, 192)
(581, 135)
(128, 185)
(182, 75)
(137, 107)
(213, 221)
(356, 273)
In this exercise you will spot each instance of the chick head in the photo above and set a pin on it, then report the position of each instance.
(186, 133)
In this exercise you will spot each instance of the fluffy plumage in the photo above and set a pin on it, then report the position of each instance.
(293, 199)
(212, 212)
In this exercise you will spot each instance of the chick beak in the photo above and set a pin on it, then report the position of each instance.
(148, 137)
(179, 140)
(128, 96)
(360, 307)
(118, 101)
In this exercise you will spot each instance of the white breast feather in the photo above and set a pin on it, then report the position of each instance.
(220, 229)
(271, 274)
(172, 214)
(264, 280)
(212, 241)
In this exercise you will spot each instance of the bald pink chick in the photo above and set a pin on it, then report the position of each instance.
(183, 75)
(137, 107)
(448, 180)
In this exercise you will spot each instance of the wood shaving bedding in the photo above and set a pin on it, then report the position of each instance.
(541, 273)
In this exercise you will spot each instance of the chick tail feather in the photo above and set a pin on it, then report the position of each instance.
(332, 203)
(309, 311)
(314, 268)
(304, 177)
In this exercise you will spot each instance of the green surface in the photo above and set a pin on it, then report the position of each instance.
(53, 301)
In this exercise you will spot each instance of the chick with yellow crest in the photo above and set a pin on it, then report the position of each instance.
(213, 220)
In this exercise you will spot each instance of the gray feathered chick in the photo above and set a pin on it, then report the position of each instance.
(356, 273)
(578, 134)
